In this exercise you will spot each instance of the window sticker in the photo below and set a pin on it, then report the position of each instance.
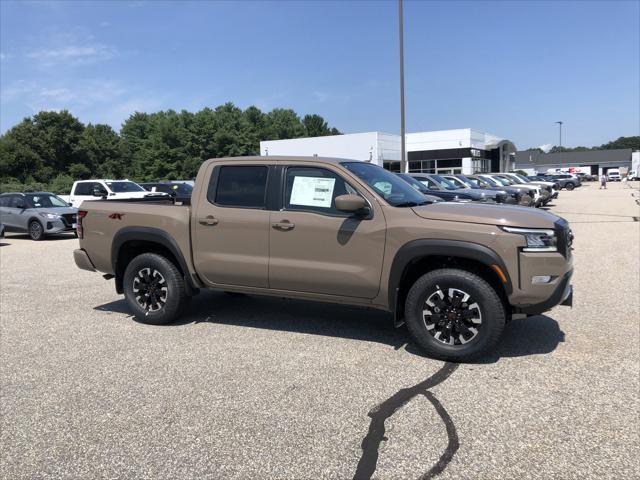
(312, 191)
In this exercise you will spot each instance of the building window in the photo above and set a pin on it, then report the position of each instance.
(392, 166)
(481, 165)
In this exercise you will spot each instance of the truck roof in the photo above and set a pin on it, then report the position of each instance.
(279, 158)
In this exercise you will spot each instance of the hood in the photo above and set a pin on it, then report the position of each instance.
(488, 214)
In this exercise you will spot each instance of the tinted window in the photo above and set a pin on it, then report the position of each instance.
(243, 186)
(45, 200)
(85, 188)
(124, 187)
(315, 189)
(17, 201)
(4, 201)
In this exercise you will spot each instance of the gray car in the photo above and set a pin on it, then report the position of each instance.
(37, 213)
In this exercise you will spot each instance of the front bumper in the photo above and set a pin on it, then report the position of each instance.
(58, 226)
(82, 260)
(561, 295)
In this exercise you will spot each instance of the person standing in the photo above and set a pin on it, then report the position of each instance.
(603, 181)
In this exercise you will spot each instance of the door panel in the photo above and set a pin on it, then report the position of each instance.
(334, 254)
(231, 243)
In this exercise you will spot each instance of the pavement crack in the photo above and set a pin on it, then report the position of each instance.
(379, 414)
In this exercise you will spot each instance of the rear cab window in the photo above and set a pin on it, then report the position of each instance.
(240, 186)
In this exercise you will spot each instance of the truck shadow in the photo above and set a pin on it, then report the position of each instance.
(533, 336)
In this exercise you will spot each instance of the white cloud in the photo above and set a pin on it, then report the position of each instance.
(3, 56)
(105, 24)
(73, 54)
(546, 147)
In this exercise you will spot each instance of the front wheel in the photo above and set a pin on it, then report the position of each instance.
(154, 289)
(570, 186)
(36, 232)
(454, 315)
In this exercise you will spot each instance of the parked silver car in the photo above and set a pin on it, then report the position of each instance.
(37, 213)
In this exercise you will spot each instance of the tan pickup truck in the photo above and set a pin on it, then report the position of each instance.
(334, 231)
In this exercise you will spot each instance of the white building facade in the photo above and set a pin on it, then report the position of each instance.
(444, 151)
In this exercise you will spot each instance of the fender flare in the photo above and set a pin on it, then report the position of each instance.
(442, 248)
(153, 235)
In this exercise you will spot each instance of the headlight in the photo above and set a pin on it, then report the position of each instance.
(538, 240)
(50, 216)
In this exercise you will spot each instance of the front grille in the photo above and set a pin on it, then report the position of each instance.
(565, 238)
(69, 218)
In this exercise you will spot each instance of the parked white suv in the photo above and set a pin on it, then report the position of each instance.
(110, 189)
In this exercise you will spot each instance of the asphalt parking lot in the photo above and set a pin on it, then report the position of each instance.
(251, 387)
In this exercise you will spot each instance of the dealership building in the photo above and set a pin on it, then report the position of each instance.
(593, 162)
(444, 151)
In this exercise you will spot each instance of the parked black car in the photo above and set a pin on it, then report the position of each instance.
(180, 191)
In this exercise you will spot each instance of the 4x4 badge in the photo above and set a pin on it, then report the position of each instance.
(116, 216)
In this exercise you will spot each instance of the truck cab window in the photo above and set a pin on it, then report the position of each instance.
(239, 186)
(314, 189)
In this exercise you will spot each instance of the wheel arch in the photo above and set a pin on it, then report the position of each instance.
(130, 242)
(418, 257)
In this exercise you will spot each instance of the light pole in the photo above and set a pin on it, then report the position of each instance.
(560, 125)
(403, 160)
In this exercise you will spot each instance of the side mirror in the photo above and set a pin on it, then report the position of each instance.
(99, 192)
(352, 204)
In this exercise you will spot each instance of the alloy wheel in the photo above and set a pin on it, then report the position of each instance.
(453, 318)
(150, 289)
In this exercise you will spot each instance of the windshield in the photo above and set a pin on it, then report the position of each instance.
(503, 180)
(393, 189)
(414, 183)
(444, 183)
(474, 182)
(522, 177)
(45, 200)
(495, 182)
(124, 187)
(460, 182)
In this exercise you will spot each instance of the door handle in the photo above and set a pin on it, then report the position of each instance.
(284, 225)
(208, 221)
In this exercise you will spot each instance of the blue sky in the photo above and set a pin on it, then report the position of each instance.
(508, 68)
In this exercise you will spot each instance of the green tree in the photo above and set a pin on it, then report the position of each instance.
(622, 142)
(315, 126)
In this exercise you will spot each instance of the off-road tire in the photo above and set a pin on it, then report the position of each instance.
(176, 297)
(36, 230)
(491, 307)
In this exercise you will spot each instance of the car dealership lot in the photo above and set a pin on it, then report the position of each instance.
(256, 387)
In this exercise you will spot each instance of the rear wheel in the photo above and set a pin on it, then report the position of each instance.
(154, 289)
(454, 315)
(36, 232)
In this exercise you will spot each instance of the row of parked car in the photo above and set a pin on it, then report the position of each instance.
(508, 188)
(43, 213)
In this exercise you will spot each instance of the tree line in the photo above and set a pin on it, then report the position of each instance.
(622, 142)
(52, 149)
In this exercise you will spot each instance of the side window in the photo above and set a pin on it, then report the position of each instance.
(4, 201)
(84, 188)
(17, 201)
(429, 183)
(314, 189)
(239, 186)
